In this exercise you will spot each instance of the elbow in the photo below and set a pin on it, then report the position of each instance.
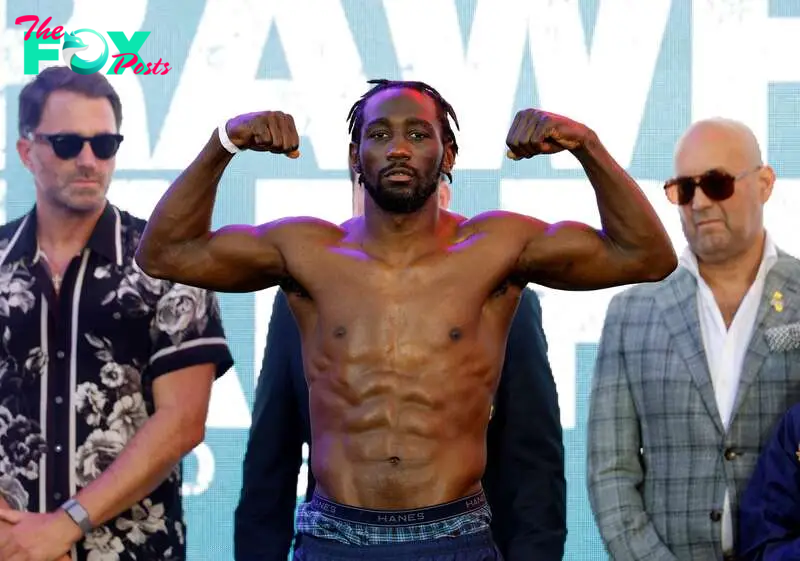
(151, 261)
(193, 436)
(656, 263)
(662, 258)
(661, 264)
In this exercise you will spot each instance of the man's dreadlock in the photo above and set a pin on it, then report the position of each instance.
(445, 110)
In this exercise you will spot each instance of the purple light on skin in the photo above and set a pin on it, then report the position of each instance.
(352, 253)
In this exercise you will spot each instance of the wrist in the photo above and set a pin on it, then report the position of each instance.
(66, 527)
(215, 151)
(75, 517)
(225, 141)
(588, 147)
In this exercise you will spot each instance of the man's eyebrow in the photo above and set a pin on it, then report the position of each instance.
(414, 121)
(379, 121)
(419, 122)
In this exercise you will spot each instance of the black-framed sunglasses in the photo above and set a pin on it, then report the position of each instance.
(68, 146)
(716, 184)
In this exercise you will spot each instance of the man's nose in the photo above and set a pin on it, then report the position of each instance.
(700, 201)
(86, 157)
(399, 149)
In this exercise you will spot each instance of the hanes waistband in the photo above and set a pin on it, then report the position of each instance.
(409, 517)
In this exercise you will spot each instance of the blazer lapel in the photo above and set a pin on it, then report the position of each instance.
(778, 281)
(679, 309)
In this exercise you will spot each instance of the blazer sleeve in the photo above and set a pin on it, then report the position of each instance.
(264, 517)
(769, 512)
(615, 471)
(524, 479)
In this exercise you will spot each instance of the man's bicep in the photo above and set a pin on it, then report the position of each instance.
(573, 255)
(236, 258)
(187, 389)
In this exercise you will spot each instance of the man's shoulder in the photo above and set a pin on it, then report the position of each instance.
(643, 303)
(8, 232)
(789, 265)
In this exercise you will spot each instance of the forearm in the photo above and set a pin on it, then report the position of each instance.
(145, 463)
(184, 212)
(629, 220)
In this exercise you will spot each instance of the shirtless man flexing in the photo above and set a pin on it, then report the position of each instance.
(403, 312)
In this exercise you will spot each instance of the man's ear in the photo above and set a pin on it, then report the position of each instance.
(355, 164)
(24, 150)
(766, 180)
(448, 158)
(444, 194)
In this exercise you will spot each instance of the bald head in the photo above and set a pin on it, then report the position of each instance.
(717, 143)
(722, 230)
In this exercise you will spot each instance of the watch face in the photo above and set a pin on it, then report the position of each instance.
(78, 514)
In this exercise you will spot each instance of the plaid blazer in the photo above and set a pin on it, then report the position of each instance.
(659, 459)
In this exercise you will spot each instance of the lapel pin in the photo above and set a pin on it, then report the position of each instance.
(777, 301)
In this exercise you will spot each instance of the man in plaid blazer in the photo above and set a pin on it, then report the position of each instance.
(691, 375)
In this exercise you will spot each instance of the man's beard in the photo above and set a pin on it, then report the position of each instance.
(401, 201)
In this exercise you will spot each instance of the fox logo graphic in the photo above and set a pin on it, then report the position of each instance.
(72, 45)
(127, 57)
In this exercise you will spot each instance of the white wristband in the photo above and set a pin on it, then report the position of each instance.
(224, 140)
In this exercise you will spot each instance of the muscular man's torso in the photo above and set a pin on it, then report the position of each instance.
(402, 363)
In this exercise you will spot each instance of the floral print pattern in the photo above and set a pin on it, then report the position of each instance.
(131, 331)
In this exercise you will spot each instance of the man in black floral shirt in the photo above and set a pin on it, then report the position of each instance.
(105, 373)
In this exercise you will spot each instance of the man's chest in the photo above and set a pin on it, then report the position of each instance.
(72, 371)
(102, 313)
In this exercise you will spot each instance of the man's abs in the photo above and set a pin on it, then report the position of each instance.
(400, 440)
(382, 469)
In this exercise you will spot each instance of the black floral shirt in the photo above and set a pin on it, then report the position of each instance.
(76, 376)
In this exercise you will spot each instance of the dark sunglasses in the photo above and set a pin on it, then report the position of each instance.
(716, 184)
(68, 146)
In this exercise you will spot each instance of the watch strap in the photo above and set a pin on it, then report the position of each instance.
(75, 510)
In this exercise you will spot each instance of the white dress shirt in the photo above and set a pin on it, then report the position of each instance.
(726, 347)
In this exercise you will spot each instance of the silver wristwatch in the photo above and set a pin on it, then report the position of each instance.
(78, 514)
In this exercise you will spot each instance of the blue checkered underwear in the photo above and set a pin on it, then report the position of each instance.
(325, 519)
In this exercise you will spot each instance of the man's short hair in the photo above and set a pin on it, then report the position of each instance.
(34, 95)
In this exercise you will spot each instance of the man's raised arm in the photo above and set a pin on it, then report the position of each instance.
(632, 246)
(178, 244)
